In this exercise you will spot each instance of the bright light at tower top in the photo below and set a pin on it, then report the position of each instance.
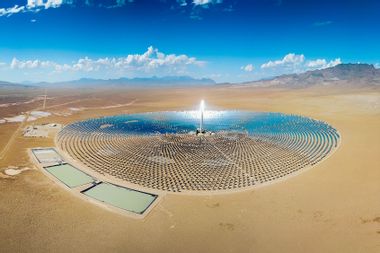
(202, 106)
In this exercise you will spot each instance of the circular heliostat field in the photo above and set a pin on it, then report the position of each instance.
(161, 150)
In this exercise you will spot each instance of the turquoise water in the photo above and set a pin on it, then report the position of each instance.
(47, 155)
(69, 175)
(121, 197)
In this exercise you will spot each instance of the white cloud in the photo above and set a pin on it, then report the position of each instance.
(205, 2)
(182, 2)
(295, 63)
(247, 68)
(377, 65)
(12, 10)
(288, 60)
(31, 6)
(333, 63)
(152, 61)
(30, 64)
(38, 5)
(322, 63)
(149, 60)
(317, 63)
(44, 3)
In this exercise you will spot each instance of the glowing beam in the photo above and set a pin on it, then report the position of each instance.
(202, 106)
(202, 109)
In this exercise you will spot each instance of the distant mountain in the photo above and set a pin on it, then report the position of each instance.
(353, 75)
(342, 74)
(6, 85)
(138, 82)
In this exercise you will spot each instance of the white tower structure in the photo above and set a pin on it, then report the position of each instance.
(202, 109)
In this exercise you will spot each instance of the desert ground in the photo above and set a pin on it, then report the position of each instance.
(333, 207)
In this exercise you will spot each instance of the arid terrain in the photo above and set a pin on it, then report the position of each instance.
(334, 207)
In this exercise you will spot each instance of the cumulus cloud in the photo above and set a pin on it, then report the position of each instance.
(247, 68)
(31, 6)
(296, 63)
(44, 3)
(151, 61)
(333, 63)
(30, 64)
(322, 63)
(288, 60)
(317, 63)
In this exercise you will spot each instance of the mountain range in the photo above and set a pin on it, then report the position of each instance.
(357, 75)
(343, 74)
(139, 81)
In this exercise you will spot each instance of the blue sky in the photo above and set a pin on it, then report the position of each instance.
(227, 40)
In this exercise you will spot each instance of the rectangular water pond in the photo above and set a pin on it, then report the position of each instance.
(69, 175)
(121, 197)
(47, 156)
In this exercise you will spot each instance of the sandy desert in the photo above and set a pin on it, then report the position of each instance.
(333, 207)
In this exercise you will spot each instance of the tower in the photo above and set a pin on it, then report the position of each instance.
(202, 109)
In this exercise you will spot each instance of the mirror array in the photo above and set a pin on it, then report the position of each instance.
(161, 151)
